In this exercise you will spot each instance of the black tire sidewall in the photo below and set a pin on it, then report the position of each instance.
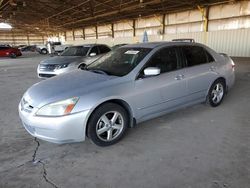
(44, 51)
(91, 129)
(12, 55)
(209, 98)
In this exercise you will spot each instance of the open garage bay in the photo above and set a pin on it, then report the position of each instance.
(197, 146)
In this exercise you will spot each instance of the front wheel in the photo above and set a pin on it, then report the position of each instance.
(82, 66)
(216, 93)
(108, 124)
(13, 55)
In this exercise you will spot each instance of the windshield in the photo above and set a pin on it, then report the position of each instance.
(120, 61)
(75, 51)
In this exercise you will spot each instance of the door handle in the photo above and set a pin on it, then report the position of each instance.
(179, 77)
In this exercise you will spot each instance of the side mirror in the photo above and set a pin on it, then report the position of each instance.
(92, 54)
(152, 71)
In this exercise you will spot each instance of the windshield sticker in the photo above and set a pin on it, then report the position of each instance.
(132, 52)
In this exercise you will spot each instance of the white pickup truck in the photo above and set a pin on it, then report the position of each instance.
(54, 47)
(59, 47)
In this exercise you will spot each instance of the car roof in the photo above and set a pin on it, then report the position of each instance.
(157, 44)
(89, 45)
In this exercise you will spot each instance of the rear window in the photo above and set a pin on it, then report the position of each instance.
(194, 55)
(209, 57)
(104, 49)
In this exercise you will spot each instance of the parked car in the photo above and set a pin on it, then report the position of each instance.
(117, 46)
(56, 47)
(129, 85)
(30, 48)
(7, 51)
(72, 58)
(42, 49)
(59, 47)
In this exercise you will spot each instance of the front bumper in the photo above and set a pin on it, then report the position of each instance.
(63, 129)
(51, 73)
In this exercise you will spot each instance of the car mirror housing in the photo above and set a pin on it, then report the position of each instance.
(92, 54)
(152, 71)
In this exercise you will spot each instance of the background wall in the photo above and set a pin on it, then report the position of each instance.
(17, 38)
(225, 28)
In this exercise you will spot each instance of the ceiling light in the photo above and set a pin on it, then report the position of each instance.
(5, 26)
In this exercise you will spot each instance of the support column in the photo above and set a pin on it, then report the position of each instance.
(83, 33)
(134, 28)
(73, 34)
(112, 31)
(163, 24)
(205, 13)
(96, 32)
(28, 38)
(65, 36)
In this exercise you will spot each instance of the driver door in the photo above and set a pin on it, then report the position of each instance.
(158, 94)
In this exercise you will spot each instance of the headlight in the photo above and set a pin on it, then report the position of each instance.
(61, 66)
(60, 108)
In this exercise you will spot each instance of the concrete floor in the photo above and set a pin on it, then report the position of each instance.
(199, 146)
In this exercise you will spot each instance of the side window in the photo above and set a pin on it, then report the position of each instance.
(195, 55)
(165, 59)
(209, 57)
(103, 49)
(94, 50)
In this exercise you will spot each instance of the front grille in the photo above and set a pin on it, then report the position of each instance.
(47, 67)
(46, 75)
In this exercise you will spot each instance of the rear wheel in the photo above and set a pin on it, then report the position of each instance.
(216, 93)
(108, 124)
(44, 51)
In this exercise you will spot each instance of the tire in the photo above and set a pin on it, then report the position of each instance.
(216, 93)
(13, 55)
(104, 131)
(44, 51)
(82, 66)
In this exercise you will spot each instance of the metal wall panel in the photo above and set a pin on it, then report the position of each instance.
(228, 29)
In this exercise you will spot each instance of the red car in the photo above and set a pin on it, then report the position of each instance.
(6, 51)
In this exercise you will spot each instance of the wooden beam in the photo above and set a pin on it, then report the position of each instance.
(73, 34)
(1, 1)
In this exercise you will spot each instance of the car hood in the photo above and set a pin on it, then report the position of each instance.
(62, 59)
(73, 84)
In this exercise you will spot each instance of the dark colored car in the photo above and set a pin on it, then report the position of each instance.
(31, 48)
(117, 46)
(7, 51)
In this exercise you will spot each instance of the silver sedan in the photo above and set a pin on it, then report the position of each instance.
(130, 85)
(72, 58)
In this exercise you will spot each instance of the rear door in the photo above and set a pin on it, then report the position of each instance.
(200, 71)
